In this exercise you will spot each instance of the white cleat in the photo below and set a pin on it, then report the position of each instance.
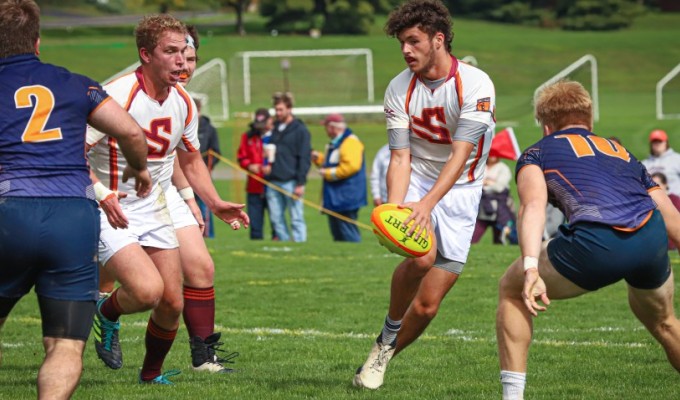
(214, 367)
(372, 374)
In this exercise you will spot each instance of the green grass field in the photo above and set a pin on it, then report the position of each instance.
(303, 316)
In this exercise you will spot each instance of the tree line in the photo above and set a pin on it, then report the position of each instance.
(358, 16)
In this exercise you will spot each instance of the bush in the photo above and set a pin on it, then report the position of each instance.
(516, 13)
(346, 18)
(600, 15)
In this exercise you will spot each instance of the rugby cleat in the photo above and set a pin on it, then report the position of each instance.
(161, 379)
(106, 341)
(372, 374)
(204, 357)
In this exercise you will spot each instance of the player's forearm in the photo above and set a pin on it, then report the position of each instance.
(135, 150)
(112, 120)
(398, 178)
(178, 179)
(530, 227)
(198, 176)
(671, 216)
(450, 173)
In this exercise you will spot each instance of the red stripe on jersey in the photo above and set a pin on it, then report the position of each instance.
(113, 164)
(188, 145)
(133, 92)
(459, 91)
(454, 69)
(409, 92)
(478, 156)
(187, 100)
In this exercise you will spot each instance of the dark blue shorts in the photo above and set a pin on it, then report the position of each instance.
(50, 243)
(594, 255)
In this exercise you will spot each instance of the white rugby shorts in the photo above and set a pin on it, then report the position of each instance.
(180, 213)
(453, 218)
(149, 225)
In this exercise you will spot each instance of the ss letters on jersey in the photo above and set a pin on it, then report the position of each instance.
(158, 137)
(425, 127)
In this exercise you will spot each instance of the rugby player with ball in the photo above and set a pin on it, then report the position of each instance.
(440, 120)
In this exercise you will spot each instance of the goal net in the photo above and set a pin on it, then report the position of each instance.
(579, 71)
(209, 85)
(314, 77)
(668, 95)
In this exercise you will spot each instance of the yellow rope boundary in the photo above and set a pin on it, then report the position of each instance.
(237, 167)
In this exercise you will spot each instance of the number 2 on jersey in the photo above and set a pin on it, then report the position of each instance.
(42, 100)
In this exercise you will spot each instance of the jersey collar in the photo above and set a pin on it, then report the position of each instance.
(18, 58)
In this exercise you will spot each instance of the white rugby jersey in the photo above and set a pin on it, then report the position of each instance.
(432, 115)
(167, 125)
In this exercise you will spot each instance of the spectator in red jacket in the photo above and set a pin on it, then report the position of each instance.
(250, 157)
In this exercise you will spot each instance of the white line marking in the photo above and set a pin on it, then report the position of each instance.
(455, 334)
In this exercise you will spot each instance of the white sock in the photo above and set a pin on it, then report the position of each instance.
(513, 385)
(390, 330)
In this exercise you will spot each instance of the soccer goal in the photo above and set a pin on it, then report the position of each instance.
(573, 69)
(209, 85)
(315, 77)
(672, 95)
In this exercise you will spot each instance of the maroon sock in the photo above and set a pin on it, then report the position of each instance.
(199, 311)
(110, 308)
(158, 342)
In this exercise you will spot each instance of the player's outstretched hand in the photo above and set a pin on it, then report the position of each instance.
(142, 180)
(534, 288)
(421, 214)
(231, 213)
(114, 213)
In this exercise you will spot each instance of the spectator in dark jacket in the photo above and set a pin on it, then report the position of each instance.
(289, 166)
(208, 139)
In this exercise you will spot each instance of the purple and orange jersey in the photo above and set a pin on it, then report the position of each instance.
(42, 128)
(592, 179)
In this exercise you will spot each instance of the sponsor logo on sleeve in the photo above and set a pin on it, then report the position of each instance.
(389, 113)
(484, 104)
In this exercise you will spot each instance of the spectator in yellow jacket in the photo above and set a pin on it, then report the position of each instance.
(343, 169)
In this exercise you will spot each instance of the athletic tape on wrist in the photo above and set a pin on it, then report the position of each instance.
(187, 193)
(101, 192)
(530, 262)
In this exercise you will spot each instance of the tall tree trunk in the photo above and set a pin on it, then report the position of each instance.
(240, 7)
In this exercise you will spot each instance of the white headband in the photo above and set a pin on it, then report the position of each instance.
(190, 42)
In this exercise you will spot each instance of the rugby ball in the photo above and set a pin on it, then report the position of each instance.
(389, 228)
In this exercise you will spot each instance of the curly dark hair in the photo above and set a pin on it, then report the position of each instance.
(430, 16)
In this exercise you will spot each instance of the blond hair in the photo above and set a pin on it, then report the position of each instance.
(150, 29)
(562, 104)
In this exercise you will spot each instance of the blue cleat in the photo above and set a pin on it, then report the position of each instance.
(161, 379)
(106, 341)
